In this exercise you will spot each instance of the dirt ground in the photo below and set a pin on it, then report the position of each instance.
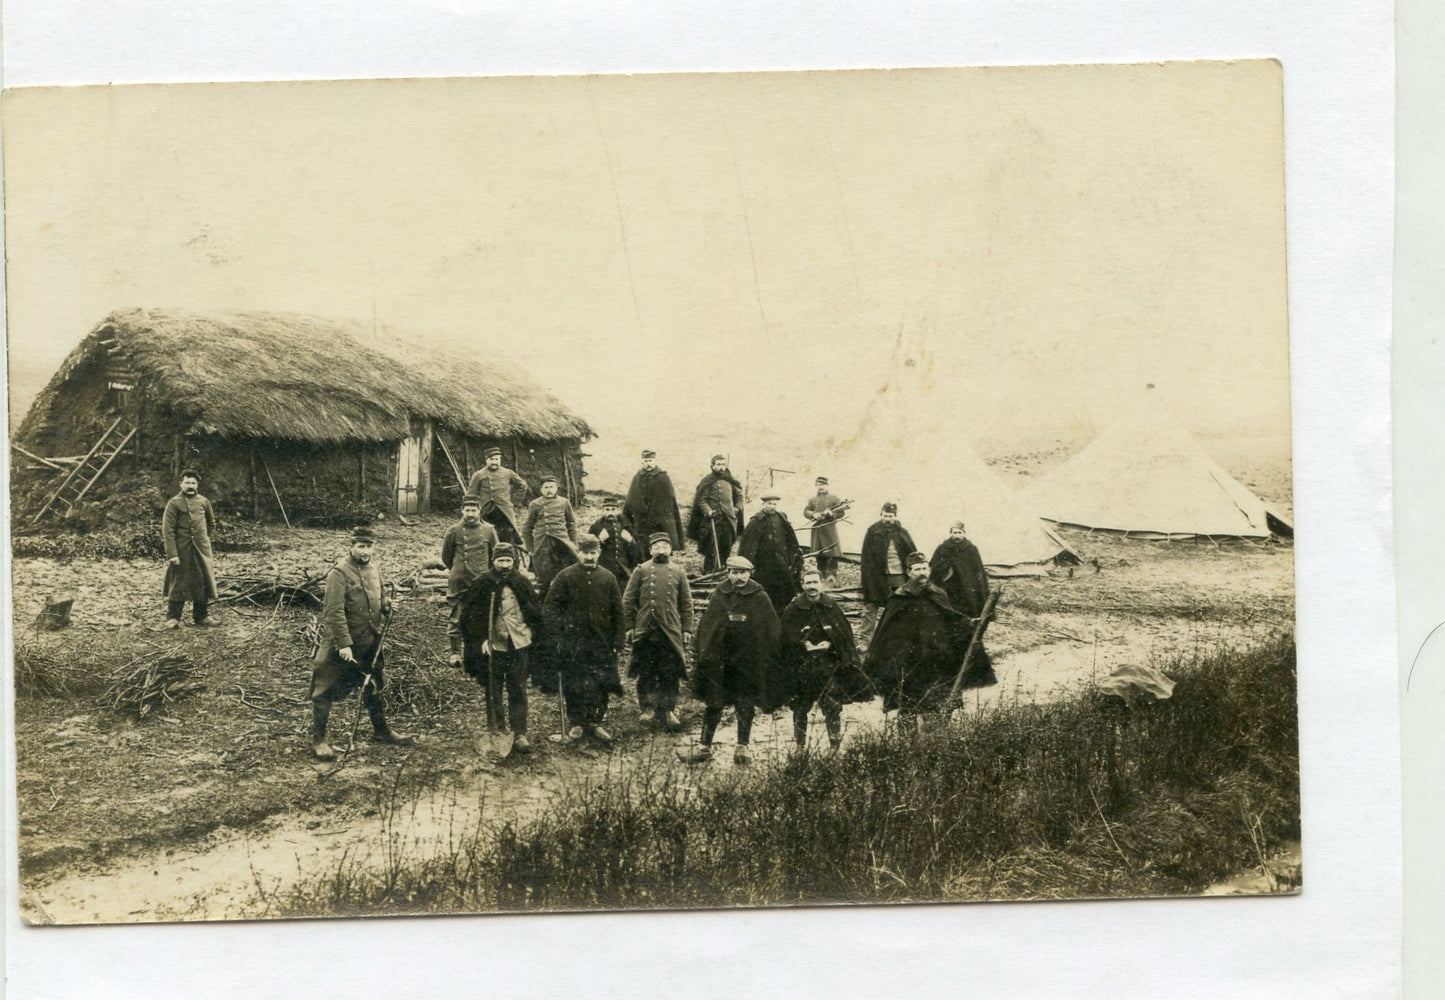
(202, 809)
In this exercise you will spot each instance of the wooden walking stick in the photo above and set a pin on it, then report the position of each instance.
(978, 629)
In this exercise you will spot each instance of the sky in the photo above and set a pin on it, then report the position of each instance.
(693, 260)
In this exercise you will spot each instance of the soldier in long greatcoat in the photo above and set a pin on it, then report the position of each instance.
(186, 527)
(737, 643)
(823, 510)
(550, 533)
(886, 545)
(651, 504)
(467, 554)
(770, 543)
(716, 517)
(621, 549)
(585, 620)
(493, 484)
(352, 614)
(957, 568)
(502, 620)
(818, 661)
(657, 611)
(919, 647)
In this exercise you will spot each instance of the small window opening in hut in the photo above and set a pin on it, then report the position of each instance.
(119, 396)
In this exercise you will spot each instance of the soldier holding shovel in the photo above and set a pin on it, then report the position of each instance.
(501, 620)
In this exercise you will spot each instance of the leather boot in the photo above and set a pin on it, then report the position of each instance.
(380, 731)
(320, 714)
(800, 728)
(835, 730)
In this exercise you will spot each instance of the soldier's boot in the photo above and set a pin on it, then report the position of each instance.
(800, 728)
(835, 730)
(320, 713)
(380, 731)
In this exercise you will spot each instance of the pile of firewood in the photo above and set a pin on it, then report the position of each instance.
(269, 591)
(150, 682)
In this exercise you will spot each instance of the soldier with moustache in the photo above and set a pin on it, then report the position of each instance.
(657, 612)
(771, 545)
(651, 504)
(584, 614)
(717, 514)
(621, 551)
(492, 484)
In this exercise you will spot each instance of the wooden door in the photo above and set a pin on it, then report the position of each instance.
(408, 475)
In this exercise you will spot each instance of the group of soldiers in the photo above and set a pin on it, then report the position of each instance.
(532, 599)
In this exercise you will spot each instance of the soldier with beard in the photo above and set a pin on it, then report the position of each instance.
(818, 661)
(501, 620)
(652, 503)
(620, 550)
(919, 647)
(717, 514)
(348, 658)
(770, 544)
(737, 641)
(824, 511)
(657, 612)
(584, 611)
(885, 545)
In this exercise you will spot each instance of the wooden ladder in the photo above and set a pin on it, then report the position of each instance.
(80, 479)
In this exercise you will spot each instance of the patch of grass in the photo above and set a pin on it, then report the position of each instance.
(1075, 798)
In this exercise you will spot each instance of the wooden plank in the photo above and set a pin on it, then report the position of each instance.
(45, 461)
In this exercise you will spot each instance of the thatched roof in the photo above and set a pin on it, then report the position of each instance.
(295, 377)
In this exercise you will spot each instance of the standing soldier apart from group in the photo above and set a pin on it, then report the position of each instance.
(716, 518)
(501, 619)
(584, 614)
(818, 660)
(186, 527)
(885, 547)
(957, 568)
(620, 549)
(657, 610)
(652, 503)
(824, 510)
(492, 484)
(737, 641)
(349, 656)
(467, 554)
(919, 647)
(771, 545)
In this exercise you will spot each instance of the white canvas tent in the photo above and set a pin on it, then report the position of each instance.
(910, 448)
(1147, 475)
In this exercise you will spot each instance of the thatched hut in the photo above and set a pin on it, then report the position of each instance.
(325, 420)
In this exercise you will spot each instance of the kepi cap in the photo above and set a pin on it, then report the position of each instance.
(659, 536)
(363, 533)
(914, 558)
(890, 508)
(504, 550)
(588, 543)
(493, 450)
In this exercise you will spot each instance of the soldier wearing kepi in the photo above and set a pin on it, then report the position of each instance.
(737, 641)
(957, 568)
(186, 527)
(492, 484)
(550, 533)
(651, 504)
(771, 544)
(818, 660)
(501, 620)
(621, 551)
(824, 510)
(919, 647)
(584, 612)
(467, 554)
(885, 545)
(716, 518)
(348, 658)
(657, 611)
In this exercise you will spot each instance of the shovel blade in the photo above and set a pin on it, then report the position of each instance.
(496, 745)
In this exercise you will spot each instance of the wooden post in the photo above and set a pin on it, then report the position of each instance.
(361, 473)
(255, 494)
(423, 485)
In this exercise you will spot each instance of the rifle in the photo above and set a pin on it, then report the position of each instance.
(983, 616)
(833, 514)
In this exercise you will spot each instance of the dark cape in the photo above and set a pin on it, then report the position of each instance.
(697, 528)
(737, 641)
(958, 569)
(619, 556)
(651, 505)
(771, 545)
(476, 608)
(918, 648)
(584, 624)
(875, 558)
(802, 677)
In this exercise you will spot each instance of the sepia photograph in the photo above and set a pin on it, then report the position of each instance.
(666, 491)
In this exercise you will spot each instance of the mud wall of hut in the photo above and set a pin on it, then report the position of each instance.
(305, 484)
(532, 459)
